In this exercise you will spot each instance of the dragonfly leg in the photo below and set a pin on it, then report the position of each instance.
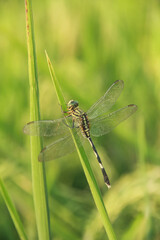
(62, 110)
(73, 123)
(69, 115)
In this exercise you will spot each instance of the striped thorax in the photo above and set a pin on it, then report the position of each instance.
(80, 117)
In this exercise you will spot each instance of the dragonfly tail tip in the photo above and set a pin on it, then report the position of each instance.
(108, 185)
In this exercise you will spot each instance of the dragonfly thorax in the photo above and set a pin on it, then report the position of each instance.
(79, 117)
(72, 104)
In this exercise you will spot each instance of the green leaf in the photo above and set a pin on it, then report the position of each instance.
(12, 210)
(38, 169)
(84, 161)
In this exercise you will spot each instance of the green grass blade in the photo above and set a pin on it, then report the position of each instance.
(56, 84)
(85, 163)
(12, 210)
(38, 171)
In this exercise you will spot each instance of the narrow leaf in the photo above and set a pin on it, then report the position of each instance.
(85, 163)
(13, 212)
(38, 169)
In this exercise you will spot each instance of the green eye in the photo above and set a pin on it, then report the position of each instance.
(72, 104)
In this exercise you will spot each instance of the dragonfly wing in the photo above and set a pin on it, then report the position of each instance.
(105, 124)
(46, 128)
(57, 149)
(107, 101)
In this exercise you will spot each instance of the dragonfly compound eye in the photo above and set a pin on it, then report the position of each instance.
(72, 104)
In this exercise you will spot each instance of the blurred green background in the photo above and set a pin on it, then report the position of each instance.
(92, 44)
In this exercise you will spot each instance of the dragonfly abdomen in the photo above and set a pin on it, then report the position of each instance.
(106, 178)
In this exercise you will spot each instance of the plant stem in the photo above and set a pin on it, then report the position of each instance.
(38, 169)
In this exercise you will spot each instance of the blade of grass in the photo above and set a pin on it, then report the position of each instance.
(13, 212)
(84, 161)
(38, 169)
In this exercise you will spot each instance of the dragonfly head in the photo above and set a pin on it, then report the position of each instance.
(72, 104)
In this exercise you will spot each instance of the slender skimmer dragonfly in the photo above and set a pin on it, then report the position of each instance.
(95, 122)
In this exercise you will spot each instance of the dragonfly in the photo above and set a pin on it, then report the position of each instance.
(95, 122)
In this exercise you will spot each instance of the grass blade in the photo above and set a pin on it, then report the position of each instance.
(12, 210)
(38, 171)
(85, 163)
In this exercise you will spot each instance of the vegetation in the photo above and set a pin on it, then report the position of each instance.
(92, 44)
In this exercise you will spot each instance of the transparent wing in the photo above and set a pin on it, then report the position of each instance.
(57, 149)
(105, 124)
(107, 101)
(46, 127)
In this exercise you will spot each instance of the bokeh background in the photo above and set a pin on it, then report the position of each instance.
(91, 44)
